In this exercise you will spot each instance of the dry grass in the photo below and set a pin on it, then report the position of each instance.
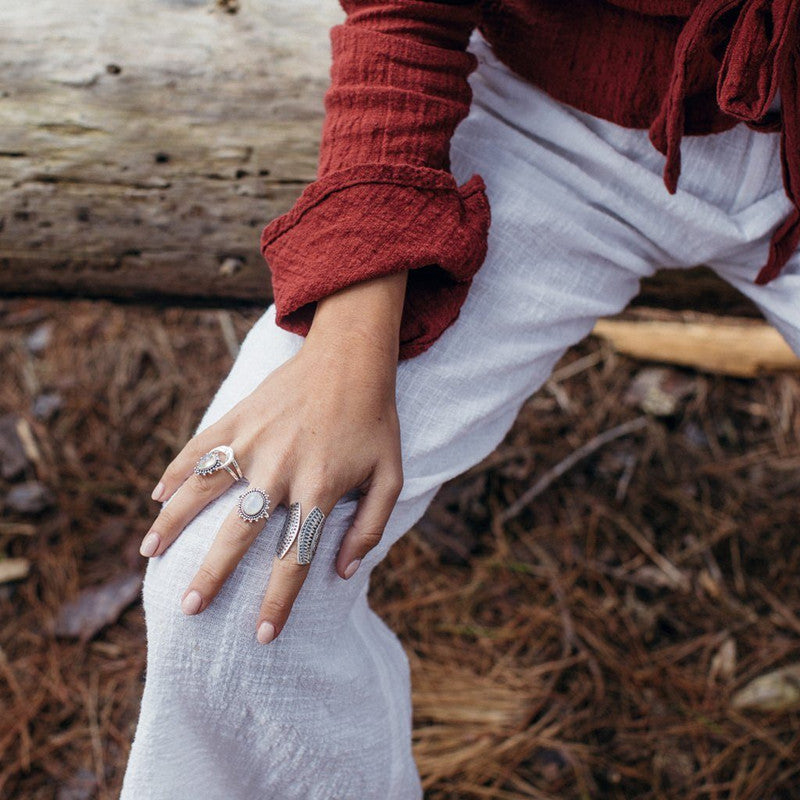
(586, 647)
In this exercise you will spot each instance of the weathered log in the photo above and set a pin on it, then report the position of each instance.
(143, 145)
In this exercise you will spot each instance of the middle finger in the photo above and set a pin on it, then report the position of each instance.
(239, 530)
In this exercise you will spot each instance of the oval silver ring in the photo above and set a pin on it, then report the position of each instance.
(220, 457)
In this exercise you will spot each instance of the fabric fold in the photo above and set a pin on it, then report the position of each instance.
(372, 220)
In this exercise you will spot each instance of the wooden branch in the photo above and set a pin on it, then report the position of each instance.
(733, 346)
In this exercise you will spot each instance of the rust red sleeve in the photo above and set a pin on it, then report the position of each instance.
(384, 199)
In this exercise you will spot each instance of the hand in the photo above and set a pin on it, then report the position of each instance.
(321, 424)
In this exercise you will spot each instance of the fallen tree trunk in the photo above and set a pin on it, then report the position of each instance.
(144, 145)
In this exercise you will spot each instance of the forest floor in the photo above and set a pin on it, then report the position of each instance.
(597, 643)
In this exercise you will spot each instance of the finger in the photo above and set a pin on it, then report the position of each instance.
(287, 578)
(229, 545)
(369, 521)
(182, 466)
(191, 497)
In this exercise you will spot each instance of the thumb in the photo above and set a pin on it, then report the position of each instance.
(368, 524)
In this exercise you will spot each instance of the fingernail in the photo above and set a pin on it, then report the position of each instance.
(150, 544)
(191, 603)
(158, 491)
(266, 632)
(351, 568)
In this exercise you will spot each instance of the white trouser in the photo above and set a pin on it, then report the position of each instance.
(579, 215)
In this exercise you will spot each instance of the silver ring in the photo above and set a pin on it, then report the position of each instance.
(307, 534)
(220, 457)
(253, 504)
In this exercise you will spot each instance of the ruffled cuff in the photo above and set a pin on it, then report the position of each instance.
(372, 220)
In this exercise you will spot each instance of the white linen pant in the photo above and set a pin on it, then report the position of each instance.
(579, 215)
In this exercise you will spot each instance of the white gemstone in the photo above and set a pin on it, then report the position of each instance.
(252, 503)
(208, 461)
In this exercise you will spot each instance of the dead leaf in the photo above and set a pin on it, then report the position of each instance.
(97, 606)
(723, 664)
(659, 390)
(778, 690)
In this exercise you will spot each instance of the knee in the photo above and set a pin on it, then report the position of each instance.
(216, 651)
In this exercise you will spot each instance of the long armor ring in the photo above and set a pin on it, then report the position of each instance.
(307, 534)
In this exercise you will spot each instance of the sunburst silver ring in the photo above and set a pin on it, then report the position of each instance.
(253, 504)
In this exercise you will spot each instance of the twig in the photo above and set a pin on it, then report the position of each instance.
(570, 461)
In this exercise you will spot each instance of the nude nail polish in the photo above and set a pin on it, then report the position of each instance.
(150, 544)
(266, 632)
(191, 603)
(158, 492)
(352, 567)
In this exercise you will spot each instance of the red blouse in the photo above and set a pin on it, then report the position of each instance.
(384, 199)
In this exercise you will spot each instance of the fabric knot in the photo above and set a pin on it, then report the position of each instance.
(760, 57)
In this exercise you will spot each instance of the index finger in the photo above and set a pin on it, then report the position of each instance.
(298, 541)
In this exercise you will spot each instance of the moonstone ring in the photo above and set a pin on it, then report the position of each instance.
(307, 534)
(254, 504)
(220, 457)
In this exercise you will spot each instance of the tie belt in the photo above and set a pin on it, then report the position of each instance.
(761, 57)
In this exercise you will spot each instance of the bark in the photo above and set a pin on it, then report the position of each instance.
(143, 145)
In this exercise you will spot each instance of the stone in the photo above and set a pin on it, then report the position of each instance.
(31, 497)
(252, 503)
(208, 461)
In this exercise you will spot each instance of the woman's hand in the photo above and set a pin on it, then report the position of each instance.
(321, 424)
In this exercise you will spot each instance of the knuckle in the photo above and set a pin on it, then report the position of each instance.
(289, 564)
(370, 538)
(203, 487)
(395, 483)
(166, 519)
(239, 535)
(208, 576)
(277, 608)
(318, 478)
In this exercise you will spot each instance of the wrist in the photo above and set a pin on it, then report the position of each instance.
(368, 310)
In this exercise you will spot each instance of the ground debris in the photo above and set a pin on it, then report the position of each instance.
(586, 647)
(97, 606)
(80, 786)
(13, 569)
(46, 405)
(778, 690)
(31, 497)
(13, 456)
(660, 390)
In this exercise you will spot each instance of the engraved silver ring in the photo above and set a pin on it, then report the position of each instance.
(307, 534)
(217, 458)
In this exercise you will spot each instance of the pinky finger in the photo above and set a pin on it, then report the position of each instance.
(368, 525)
